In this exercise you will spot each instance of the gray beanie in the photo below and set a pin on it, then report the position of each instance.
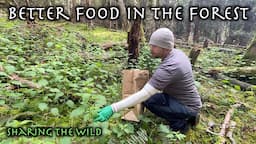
(162, 37)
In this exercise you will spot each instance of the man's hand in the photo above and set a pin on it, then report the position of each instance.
(104, 114)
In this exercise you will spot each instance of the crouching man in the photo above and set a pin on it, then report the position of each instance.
(170, 93)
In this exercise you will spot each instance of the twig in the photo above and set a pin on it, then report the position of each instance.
(211, 132)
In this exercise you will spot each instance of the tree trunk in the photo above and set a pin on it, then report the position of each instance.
(73, 11)
(133, 43)
(191, 33)
(196, 30)
(149, 24)
(124, 22)
(224, 32)
(251, 52)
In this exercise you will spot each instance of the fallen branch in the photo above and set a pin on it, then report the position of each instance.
(22, 80)
(230, 132)
(226, 124)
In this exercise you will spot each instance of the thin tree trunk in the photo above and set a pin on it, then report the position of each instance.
(73, 11)
(124, 22)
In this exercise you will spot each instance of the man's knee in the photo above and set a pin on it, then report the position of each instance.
(157, 99)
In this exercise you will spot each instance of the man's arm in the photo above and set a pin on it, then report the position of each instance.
(138, 97)
(135, 98)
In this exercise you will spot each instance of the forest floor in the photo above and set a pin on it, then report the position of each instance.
(71, 76)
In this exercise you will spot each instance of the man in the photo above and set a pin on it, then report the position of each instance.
(171, 92)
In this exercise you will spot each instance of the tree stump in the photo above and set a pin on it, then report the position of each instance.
(194, 53)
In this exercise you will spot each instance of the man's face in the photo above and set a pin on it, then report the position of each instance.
(156, 51)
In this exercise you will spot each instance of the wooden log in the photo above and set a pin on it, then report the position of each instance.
(238, 70)
(107, 46)
(243, 85)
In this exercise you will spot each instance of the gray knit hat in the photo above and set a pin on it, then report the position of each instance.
(162, 37)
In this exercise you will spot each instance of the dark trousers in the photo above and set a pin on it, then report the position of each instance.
(169, 108)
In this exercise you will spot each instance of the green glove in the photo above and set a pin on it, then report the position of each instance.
(104, 114)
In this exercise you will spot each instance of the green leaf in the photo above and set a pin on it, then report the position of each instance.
(2, 102)
(55, 111)
(4, 40)
(164, 128)
(3, 74)
(237, 87)
(129, 129)
(55, 90)
(43, 82)
(70, 103)
(49, 44)
(30, 74)
(42, 106)
(66, 140)
(77, 112)
(10, 69)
